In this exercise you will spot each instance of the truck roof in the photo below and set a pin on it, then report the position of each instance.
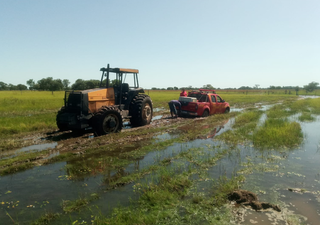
(207, 91)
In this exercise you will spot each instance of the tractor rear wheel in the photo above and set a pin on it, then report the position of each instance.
(140, 110)
(59, 120)
(107, 120)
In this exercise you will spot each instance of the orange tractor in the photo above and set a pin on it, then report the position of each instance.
(104, 109)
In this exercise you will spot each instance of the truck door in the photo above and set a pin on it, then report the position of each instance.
(213, 105)
(203, 103)
(220, 104)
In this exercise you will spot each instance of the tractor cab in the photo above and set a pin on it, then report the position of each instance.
(125, 84)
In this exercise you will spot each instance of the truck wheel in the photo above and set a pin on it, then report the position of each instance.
(107, 120)
(205, 113)
(140, 110)
(59, 120)
(227, 110)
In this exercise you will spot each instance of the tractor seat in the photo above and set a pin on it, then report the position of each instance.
(125, 87)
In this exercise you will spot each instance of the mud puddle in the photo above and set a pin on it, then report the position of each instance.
(31, 148)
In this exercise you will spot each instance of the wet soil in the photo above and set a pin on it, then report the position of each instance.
(75, 142)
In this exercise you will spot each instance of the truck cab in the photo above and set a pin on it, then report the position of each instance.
(203, 103)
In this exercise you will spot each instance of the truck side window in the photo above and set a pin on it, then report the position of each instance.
(213, 99)
(203, 98)
(219, 99)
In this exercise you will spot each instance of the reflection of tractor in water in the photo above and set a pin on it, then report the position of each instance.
(104, 108)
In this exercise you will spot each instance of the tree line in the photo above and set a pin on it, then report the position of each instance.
(50, 84)
(308, 88)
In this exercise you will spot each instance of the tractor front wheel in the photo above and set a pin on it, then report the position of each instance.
(60, 120)
(107, 120)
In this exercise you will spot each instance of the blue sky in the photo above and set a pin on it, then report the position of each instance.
(229, 43)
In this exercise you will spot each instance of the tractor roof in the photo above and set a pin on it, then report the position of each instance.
(119, 70)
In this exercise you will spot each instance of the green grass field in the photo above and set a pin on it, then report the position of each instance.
(28, 111)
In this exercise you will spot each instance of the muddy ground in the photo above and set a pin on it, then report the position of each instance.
(75, 142)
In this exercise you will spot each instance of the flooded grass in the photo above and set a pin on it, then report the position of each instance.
(77, 205)
(306, 105)
(246, 118)
(284, 134)
(46, 219)
(279, 111)
(167, 197)
(179, 172)
(243, 127)
(306, 117)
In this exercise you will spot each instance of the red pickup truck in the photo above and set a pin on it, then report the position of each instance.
(203, 103)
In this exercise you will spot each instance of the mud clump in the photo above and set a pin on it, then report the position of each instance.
(248, 198)
(241, 196)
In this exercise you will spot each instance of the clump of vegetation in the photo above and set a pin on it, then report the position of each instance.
(279, 111)
(244, 125)
(46, 219)
(77, 205)
(277, 133)
(247, 118)
(306, 117)
(315, 106)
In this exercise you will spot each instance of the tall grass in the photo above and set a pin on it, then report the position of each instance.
(22, 124)
(29, 102)
(27, 111)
